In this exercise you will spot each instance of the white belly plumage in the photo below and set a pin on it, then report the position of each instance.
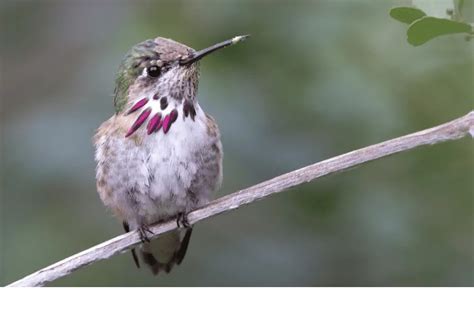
(147, 178)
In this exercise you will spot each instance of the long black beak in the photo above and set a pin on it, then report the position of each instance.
(196, 56)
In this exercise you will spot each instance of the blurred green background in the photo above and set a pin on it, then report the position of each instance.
(317, 79)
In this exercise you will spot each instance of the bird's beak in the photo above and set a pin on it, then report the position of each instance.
(198, 55)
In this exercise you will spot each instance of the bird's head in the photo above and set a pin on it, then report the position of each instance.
(160, 68)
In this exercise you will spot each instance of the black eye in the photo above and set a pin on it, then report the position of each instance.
(153, 71)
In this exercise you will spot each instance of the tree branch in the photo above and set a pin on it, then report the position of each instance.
(453, 130)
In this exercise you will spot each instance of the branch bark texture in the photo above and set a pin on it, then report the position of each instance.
(452, 130)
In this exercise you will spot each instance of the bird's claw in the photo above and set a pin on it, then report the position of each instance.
(182, 221)
(143, 232)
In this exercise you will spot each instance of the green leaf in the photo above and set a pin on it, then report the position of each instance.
(435, 8)
(406, 14)
(427, 28)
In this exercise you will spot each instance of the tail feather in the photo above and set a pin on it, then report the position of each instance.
(151, 261)
(166, 251)
(184, 246)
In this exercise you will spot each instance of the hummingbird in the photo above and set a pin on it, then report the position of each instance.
(160, 155)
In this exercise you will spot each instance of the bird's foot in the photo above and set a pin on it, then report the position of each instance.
(143, 232)
(182, 221)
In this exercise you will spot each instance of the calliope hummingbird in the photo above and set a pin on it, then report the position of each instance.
(160, 155)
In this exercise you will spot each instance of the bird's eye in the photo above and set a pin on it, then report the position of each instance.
(153, 71)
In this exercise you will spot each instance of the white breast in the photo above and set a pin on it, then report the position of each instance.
(174, 160)
(152, 180)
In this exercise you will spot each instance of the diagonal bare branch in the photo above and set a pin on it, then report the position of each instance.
(452, 130)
